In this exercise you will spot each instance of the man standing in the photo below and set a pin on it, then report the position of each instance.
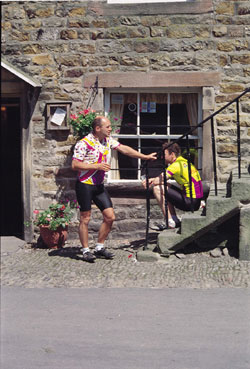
(90, 160)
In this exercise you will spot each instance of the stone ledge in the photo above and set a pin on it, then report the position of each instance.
(156, 79)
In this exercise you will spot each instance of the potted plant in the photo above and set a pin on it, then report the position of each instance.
(53, 223)
(82, 122)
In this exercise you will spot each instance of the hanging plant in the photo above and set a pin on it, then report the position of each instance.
(82, 122)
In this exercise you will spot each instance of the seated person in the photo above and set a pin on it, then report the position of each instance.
(178, 197)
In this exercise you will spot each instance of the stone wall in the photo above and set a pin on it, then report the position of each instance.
(60, 43)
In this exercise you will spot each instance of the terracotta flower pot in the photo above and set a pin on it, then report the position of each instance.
(54, 239)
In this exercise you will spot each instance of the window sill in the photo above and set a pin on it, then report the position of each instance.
(127, 190)
(190, 7)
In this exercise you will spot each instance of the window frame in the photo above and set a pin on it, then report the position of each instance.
(139, 137)
(131, 2)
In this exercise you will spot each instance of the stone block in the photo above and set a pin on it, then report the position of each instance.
(20, 36)
(225, 7)
(180, 31)
(33, 49)
(233, 87)
(147, 256)
(146, 46)
(48, 72)
(208, 98)
(218, 207)
(129, 21)
(241, 189)
(85, 48)
(169, 242)
(41, 143)
(78, 23)
(44, 13)
(42, 60)
(68, 34)
(15, 12)
(225, 46)
(74, 73)
(100, 23)
(220, 31)
(242, 59)
(243, 8)
(77, 12)
(192, 223)
(226, 149)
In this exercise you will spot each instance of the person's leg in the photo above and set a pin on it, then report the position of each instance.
(160, 198)
(104, 203)
(83, 228)
(84, 197)
(108, 219)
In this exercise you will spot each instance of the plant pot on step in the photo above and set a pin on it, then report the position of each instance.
(54, 239)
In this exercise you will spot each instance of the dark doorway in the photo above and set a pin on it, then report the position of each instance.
(11, 194)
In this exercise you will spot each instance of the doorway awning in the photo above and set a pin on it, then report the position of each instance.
(19, 73)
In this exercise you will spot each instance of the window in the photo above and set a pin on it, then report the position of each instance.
(147, 119)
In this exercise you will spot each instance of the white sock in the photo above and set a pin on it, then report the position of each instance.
(171, 223)
(85, 249)
(99, 246)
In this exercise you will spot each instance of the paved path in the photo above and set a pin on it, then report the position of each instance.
(135, 328)
(192, 326)
(32, 267)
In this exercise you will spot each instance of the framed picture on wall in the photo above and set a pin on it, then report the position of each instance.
(58, 115)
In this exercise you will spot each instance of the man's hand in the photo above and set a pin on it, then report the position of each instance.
(104, 166)
(152, 156)
(156, 181)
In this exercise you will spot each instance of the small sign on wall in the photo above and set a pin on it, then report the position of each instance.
(148, 107)
(58, 115)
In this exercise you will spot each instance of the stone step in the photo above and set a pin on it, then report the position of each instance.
(241, 189)
(169, 242)
(192, 222)
(217, 207)
(194, 225)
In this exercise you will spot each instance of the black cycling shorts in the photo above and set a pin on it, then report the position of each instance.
(177, 198)
(86, 193)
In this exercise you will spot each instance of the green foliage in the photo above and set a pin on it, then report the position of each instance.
(193, 154)
(57, 215)
(82, 122)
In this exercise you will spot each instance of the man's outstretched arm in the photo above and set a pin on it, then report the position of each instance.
(127, 150)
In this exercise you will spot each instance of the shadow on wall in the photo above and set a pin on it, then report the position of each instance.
(65, 177)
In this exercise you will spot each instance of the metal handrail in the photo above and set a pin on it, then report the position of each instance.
(211, 118)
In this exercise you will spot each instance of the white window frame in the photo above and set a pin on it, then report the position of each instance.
(145, 1)
(139, 136)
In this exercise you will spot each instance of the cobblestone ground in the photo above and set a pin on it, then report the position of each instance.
(33, 267)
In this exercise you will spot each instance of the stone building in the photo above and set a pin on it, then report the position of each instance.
(162, 66)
